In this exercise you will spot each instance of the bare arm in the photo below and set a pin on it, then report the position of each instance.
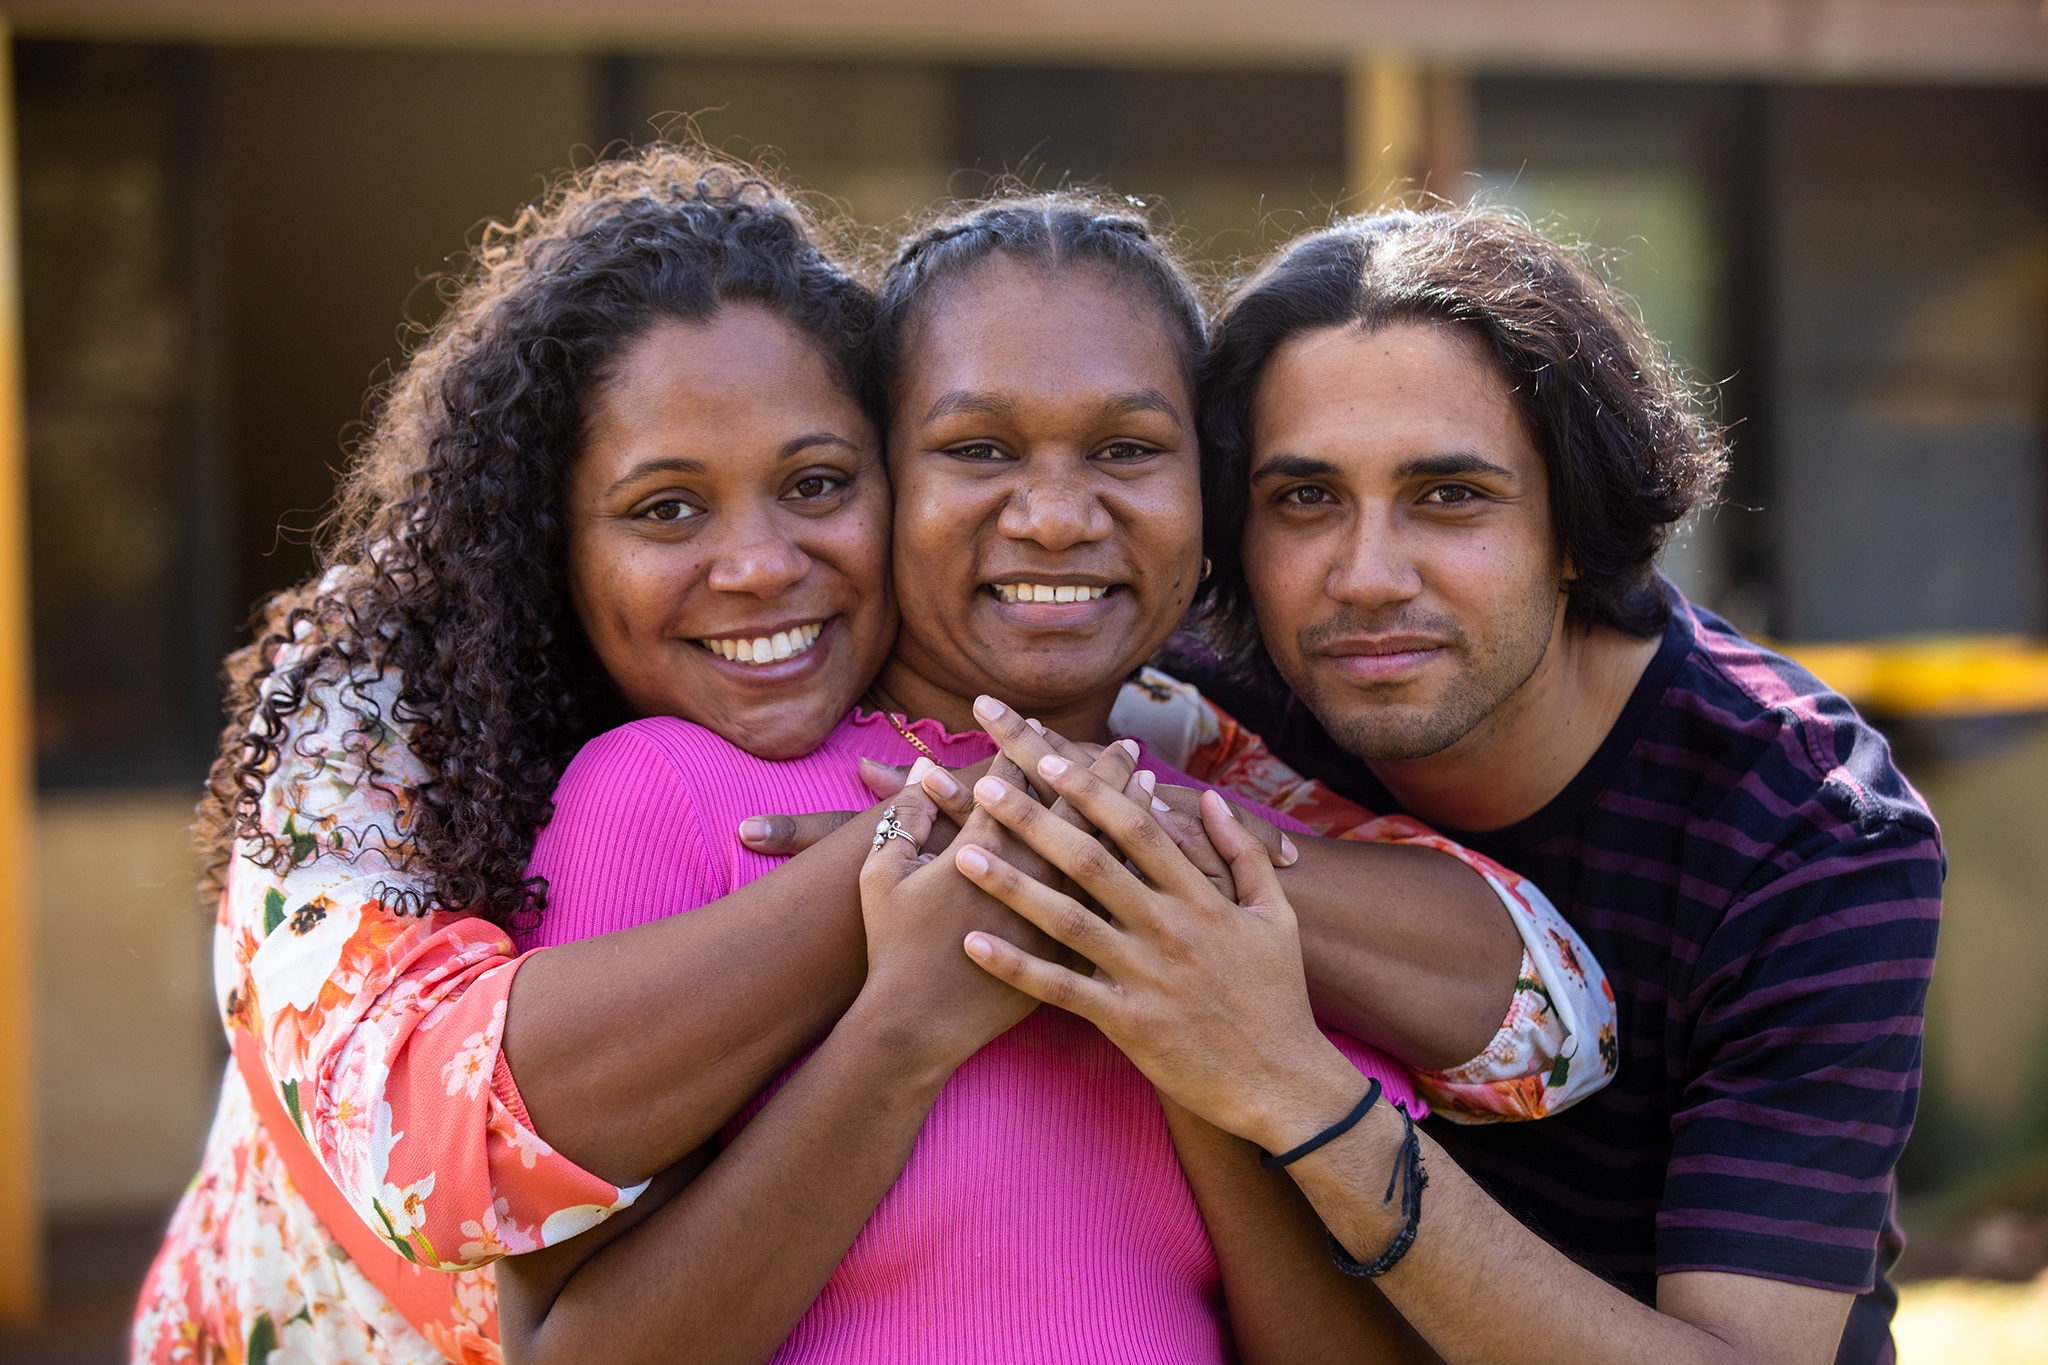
(632, 1048)
(1287, 1301)
(1207, 998)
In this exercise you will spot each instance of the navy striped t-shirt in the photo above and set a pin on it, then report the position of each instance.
(1763, 888)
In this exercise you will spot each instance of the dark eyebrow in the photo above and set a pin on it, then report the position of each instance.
(1294, 467)
(1143, 400)
(971, 402)
(676, 464)
(798, 445)
(983, 404)
(665, 465)
(1449, 465)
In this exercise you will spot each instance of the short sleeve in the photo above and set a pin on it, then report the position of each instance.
(1802, 1074)
(380, 1028)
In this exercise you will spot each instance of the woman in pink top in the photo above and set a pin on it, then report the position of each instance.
(938, 1180)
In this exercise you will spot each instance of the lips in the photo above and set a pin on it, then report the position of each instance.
(1383, 659)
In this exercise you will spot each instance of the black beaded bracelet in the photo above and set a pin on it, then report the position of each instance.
(1330, 1134)
(1408, 1171)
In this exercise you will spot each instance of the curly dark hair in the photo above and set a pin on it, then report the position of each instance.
(1052, 230)
(1627, 447)
(444, 559)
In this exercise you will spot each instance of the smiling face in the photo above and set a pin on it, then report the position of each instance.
(729, 532)
(1048, 514)
(1399, 546)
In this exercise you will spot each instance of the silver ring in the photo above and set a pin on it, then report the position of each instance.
(889, 827)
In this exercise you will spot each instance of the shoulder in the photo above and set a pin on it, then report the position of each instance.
(1791, 752)
(1797, 807)
(659, 750)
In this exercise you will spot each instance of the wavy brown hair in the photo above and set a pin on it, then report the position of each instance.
(443, 562)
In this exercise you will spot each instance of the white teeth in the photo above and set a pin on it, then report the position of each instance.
(1046, 592)
(762, 649)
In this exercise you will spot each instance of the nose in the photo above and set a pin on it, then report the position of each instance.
(1056, 510)
(759, 560)
(1374, 569)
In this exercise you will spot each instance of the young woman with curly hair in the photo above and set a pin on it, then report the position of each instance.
(397, 734)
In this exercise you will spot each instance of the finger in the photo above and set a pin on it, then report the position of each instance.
(1039, 979)
(783, 835)
(891, 856)
(1063, 918)
(1280, 848)
(945, 790)
(1258, 889)
(1073, 851)
(1020, 741)
(1114, 765)
(883, 779)
(1131, 827)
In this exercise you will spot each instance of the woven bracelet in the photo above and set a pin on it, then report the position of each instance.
(1328, 1135)
(1412, 1178)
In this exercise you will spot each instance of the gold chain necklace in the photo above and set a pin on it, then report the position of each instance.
(883, 711)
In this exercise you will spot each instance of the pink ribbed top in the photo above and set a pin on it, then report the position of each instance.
(1042, 1216)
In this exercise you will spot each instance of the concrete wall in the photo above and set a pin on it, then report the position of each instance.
(130, 1050)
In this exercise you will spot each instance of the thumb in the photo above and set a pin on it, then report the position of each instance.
(1251, 867)
(780, 836)
(883, 779)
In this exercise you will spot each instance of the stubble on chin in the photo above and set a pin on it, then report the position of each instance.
(1382, 724)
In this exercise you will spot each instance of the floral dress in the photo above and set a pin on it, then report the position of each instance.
(380, 1032)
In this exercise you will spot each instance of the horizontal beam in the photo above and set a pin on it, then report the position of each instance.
(1934, 678)
(2002, 41)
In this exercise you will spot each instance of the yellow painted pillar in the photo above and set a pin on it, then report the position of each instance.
(1408, 131)
(21, 1223)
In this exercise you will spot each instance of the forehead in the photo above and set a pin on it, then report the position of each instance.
(1349, 394)
(1016, 327)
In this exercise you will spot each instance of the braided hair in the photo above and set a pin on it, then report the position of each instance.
(1053, 231)
(445, 558)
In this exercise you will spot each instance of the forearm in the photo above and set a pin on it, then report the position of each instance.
(1405, 948)
(1287, 1300)
(1468, 1247)
(632, 1048)
(726, 1268)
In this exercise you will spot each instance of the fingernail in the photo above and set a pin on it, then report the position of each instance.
(1052, 765)
(1036, 728)
(988, 708)
(940, 781)
(1288, 851)
(978, 947)
(917, 771)
(1129, 746)
(991, 790)
(1160, 806)
(753, 829)
(1149, 781)
(973, 861)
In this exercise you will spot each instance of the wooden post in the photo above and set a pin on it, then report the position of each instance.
(21, 1222)
(1409, 130)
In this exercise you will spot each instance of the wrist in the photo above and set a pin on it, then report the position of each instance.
(905, 1042)
(1303, 1101)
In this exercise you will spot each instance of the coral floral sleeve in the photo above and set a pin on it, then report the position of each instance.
(380, 1030)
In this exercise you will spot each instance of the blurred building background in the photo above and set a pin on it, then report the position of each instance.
(1835, 212)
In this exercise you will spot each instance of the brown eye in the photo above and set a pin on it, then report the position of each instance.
(670, 510)
(1308, 495)
(816, 486)
(1449, 495)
